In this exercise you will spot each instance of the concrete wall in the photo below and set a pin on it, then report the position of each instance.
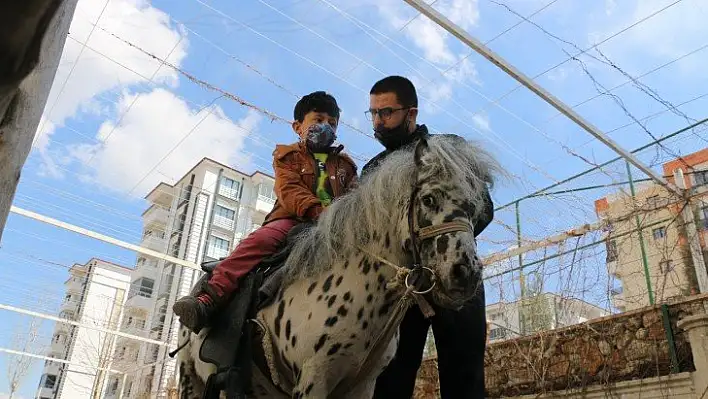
(32, 37)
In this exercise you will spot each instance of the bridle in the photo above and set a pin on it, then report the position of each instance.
(418, 235)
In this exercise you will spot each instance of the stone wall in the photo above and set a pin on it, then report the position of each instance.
(624, 347)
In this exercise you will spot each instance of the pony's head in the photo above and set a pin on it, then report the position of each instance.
(448, 197)
(420, 205)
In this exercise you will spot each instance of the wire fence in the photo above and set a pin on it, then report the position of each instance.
(585, 278)
(598, 300)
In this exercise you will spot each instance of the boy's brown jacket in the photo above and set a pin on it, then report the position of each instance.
(296, 181)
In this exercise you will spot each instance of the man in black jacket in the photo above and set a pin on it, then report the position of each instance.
(460, 336)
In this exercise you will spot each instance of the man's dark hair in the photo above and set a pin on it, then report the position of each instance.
(402, 87)
(318, 101)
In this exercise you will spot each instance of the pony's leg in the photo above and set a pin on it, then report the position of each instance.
(315, 380)
(191, 385)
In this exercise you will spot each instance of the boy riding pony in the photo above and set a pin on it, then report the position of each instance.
(309, 175)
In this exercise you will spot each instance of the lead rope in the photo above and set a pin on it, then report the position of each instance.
(381, 342)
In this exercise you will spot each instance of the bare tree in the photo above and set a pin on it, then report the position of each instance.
(18, 365)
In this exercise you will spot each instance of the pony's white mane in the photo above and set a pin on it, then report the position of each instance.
(382, 198)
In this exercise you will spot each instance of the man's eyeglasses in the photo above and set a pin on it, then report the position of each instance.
(383, 113)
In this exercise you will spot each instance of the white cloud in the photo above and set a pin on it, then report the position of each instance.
(558, 74)
(441, 88)
(610, 6)
(482, 122)
(153, 127)
(134, 20)
(426, 34)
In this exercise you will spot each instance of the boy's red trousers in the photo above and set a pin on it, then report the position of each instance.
(247, 255)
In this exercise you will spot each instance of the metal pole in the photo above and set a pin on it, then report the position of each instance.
(122, 386)
(102, 237)
(522, 280)
(641, 237)
(540, 192)
(510, 70)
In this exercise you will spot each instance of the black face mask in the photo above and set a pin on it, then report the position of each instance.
(393, 138)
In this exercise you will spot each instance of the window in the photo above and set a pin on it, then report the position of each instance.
(224, 217)
(265, 191)
(497, 333)
(50, 381)
(703, 216)
(66, 315)
(611, 251)
(701, 177)
(142, 286)
(665, 266)
(153, 234)
(67, 298)
(229, 188)
(113, 387)
(217, 248)
(224, 212)
(659, 233)
(229, 183)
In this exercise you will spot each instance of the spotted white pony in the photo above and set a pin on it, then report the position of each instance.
(417, 208)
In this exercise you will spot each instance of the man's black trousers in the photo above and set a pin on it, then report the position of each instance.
(460, 338)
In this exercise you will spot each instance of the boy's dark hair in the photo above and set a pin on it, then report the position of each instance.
(402, 87)
(318, 101)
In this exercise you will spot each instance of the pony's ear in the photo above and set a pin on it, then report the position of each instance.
(420, 149)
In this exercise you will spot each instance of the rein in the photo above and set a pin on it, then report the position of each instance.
(412, 293)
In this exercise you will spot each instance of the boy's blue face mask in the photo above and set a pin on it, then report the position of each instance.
(320, 137)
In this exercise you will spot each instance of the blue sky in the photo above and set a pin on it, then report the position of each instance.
(117, 122)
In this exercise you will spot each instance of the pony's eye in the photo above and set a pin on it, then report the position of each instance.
(428, 200)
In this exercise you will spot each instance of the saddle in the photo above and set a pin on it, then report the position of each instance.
(229, 344)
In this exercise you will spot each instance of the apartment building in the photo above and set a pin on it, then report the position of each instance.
(199, 218)
(545, 311)
(657, 260)
(95, 295)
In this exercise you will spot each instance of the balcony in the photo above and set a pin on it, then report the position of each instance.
(51, 367)
(156, 217)
(75, 284)
(154, 242)
(264, 204)
(64, 328)
(46, 393)
(69, 305)
(224, 223)
(140, 302)
(134, 329)
(59, 346)
(147, 269)
(228, 192)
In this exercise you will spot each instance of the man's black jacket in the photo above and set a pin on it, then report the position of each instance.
(485, 217)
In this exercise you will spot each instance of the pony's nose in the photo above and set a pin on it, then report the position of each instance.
(461, 273)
